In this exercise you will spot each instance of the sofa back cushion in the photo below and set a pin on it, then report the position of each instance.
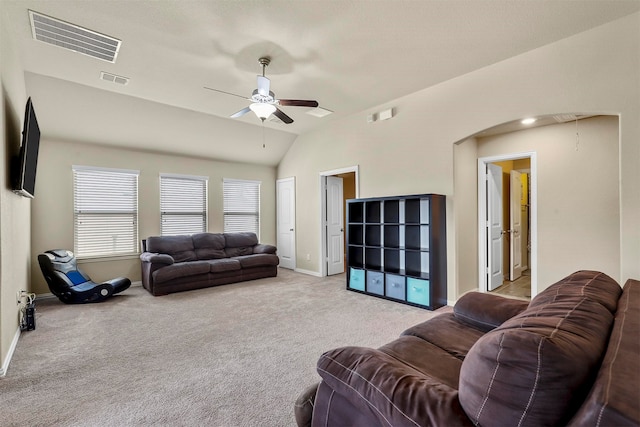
(179, 247)
(613, 399)
(537, 367)
(209, 245)
(238, 244)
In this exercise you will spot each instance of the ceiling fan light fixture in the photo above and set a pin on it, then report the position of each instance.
(262, 110)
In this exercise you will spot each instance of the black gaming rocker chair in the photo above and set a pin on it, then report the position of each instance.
(71, 285)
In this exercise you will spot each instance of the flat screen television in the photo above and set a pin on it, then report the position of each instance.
(27, 162)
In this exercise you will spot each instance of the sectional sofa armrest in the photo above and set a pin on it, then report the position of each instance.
(389, 390)
(264, 249)
(155, 258)
(486, 311)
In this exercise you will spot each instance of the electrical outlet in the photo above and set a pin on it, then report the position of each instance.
(20, 295)
(308, 257)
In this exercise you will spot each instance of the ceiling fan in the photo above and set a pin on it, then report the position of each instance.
(264, 103)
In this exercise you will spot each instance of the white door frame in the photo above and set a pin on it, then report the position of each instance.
(482, 215)
(323, 208)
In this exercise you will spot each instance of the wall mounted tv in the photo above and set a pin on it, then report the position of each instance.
(27, 161)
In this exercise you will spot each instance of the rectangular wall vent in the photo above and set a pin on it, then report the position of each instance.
(563, 118)
(113, 78)
(319, 112)
(73, 37)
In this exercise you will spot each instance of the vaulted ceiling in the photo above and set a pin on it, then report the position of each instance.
(349, 55)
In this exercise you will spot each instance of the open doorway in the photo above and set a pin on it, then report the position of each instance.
(336, 187)
(507, 224)
(513, 276)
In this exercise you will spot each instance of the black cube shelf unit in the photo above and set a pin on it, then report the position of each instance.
(397, 249)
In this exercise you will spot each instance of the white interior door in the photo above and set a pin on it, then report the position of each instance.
(494, 226)
(286, 217)
(335, 226)
(515, 227)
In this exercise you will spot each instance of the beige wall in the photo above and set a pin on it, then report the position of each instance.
(578, 197)
(466, 224)
(14, 209)
(413, 152)
(578, 194)
(52, 214)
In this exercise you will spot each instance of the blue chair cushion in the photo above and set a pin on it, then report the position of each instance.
(76, 278)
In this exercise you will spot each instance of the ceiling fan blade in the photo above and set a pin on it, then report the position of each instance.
(263, 85)
(226, 93)
(297, 103)
(240, 113)
(282, 116)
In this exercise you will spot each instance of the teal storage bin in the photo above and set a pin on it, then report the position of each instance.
(418, 291)
(356, 279)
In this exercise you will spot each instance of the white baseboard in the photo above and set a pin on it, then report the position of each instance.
(12, 348)
(309, 272)
(47, 295)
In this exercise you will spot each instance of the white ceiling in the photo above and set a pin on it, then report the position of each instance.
(349, 55)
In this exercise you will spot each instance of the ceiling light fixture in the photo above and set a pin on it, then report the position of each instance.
(528, 121)
(262, 110)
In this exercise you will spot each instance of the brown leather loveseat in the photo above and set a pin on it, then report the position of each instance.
(181, 263)
(570, 357)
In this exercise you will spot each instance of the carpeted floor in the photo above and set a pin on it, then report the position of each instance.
(233, 355)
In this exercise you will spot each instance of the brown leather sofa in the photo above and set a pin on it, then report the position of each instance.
(570, 357)
(182, 263)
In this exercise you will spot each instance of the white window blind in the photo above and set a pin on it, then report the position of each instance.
(105, 209)
(241, 206)
(183, 204)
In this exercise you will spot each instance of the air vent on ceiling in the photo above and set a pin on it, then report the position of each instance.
(59, 33)
(113, 78)
(319, 112)
(563, 118)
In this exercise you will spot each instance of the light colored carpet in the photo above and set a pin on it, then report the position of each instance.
(233, 355)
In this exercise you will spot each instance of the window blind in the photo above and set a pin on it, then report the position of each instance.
(183, 204)
(105, 206)
(241, 206)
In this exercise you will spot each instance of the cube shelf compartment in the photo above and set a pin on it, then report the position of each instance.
(397, 248)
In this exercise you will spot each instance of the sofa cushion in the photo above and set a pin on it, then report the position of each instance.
(209, 245)
(181, 269)
(225, 264)
(537, 367)
(179, 247)
(486, 311)
(258, 260)
(389, 390)
(613, 399)
(440, 331)
(591, 284)
(264, 249)
(235, 252)
(237, 240)
(426, 358)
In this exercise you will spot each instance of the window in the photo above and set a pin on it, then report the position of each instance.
(241, 206)
(105, 212)
(183, 204)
